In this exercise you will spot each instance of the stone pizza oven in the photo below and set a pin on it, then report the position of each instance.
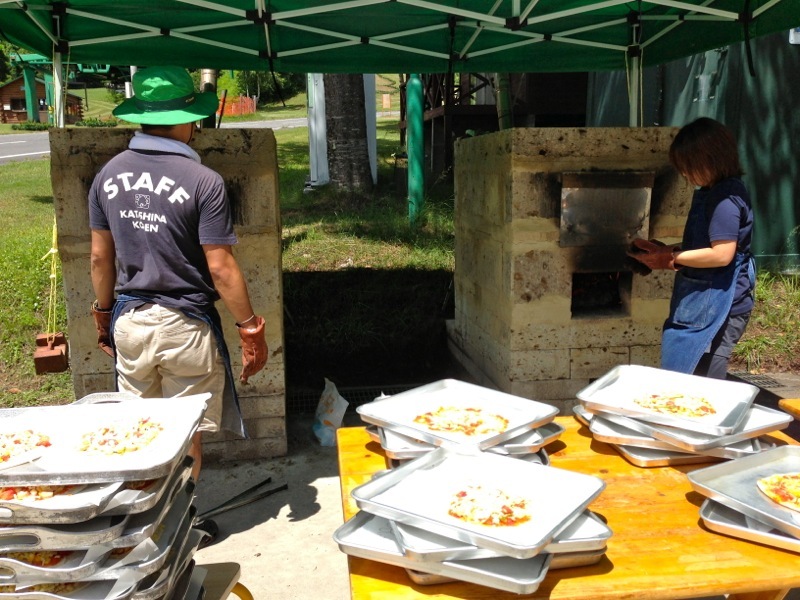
(545, 299)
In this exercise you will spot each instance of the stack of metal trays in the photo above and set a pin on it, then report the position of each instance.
(654, 417)
(735, 505)
(452, 413)
(80, 522)
(479, 517)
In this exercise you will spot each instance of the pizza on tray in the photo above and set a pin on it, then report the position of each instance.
(488, 506)
(120, 438)
(39, 558)
(34, 492)
(681, 405)
(20, 442)
(468, 421)
(783, 488)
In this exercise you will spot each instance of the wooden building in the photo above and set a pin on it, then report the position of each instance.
(15, 110)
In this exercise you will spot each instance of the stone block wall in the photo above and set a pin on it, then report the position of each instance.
(247, 160)
(513, 326)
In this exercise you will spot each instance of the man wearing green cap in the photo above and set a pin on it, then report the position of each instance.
(161, 257)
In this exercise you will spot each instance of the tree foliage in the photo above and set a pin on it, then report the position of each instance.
(261, 84)
(6, 70)
(269, 88)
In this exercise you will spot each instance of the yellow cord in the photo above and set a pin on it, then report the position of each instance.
(53, 300)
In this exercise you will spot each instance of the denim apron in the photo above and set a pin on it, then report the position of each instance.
(231, 412)
(701, 298)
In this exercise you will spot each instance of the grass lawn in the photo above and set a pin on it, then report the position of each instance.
(26, 220)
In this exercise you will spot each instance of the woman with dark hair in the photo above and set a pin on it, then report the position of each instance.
(715, 280)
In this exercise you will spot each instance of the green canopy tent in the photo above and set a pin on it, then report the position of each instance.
(375, 36)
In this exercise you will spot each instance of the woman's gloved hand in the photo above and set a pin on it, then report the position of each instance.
(254, 349)
(653, 254)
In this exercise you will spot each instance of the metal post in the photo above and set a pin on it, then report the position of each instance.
(58, 90)
(634, 118)
(504, 114)
(208, 78)
(415, 147)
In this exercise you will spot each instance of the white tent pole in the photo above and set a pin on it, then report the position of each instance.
(58, 90)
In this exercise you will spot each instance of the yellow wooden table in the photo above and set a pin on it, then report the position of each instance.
(659, 548)
(791, 406)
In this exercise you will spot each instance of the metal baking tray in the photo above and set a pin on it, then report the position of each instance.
(402, 447)
(583, 416)
(181, 584)
(195, 589)
(151, 554)
(647, 457)
(77, 565)
(74, 536)
(419, 493)
(610, 432)
(159, 584)
(539, 457)
(723, 519)
(587, 533)
(734, 484)
(77, 503)
(131, 501)
(94, 590)
(369, 536)
(372, 432)
(531, 441)
(143, 525)
(616, 391)
(421, 578)
(64, 463)
(398, 412)
(570, 560)
(559, 561)
(758, 421)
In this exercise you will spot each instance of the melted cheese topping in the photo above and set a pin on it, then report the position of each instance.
(492, 507)
(41, 558)
(36, 492)
(677, 404)
(14, 444)
(120, 439)
(783, 488)
(469, 421)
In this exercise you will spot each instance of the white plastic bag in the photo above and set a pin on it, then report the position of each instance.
(329, 415)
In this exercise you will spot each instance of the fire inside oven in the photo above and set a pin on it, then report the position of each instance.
(601, 213)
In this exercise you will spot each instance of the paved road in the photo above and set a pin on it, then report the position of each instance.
(23, 146)
(273, 124)
(33, 145)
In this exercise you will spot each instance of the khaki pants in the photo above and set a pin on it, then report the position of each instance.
(162, 353)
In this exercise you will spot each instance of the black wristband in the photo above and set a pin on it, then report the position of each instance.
(96, 308)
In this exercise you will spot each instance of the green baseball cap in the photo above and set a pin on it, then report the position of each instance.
(165, 96)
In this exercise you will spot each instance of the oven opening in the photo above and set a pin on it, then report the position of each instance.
(601, 295)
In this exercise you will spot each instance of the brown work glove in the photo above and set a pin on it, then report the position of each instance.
(102, 322)
(653, 254)
(254, 349)
(637, 267)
